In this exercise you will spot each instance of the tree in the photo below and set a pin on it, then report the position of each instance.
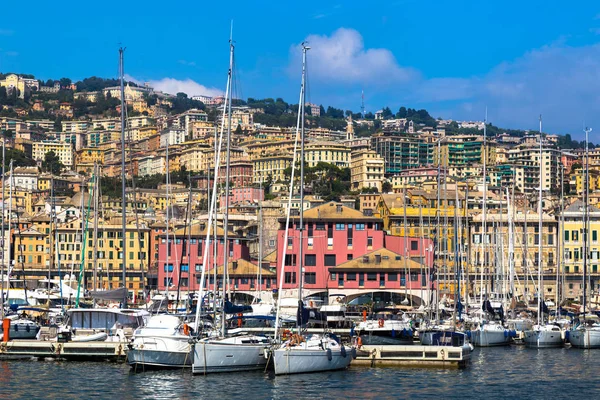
(387, 113)
(65, 82)
(386, 187)
(401, 112)
(52, 163)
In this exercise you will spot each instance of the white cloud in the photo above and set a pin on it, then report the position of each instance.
(342, 57)
(187, 63)
(174, 86)
(559, 81)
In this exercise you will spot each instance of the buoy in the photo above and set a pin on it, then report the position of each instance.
(329, 355)
(344, 352)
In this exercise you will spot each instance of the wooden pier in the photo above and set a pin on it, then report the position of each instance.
(413, 356)
(97, 351)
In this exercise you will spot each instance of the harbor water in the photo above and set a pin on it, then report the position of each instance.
(504, 373)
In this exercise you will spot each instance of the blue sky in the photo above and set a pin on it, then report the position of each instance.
(454, 58)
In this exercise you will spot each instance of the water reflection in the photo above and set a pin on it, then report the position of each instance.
(510, 372)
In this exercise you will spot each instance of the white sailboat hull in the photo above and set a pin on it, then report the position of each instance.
(543, 339)
(585, 338)
(220, 356)
(489, 338)
(299, 360)
(160, 352)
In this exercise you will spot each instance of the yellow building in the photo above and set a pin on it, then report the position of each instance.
(264, 148)
(109, 262)
(577, 179)
(366, 170)
(87, 157)
(202, 129)
(31, 251)
(271, 167)
(22, 85)
(64, 151)
(572, 243)
(334, 153)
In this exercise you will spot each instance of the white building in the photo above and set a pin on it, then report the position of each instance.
(173, 136)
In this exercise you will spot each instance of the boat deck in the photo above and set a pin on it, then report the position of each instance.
(421, 356)
(98, 351)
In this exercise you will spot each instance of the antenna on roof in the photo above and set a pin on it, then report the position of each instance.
(362, 103)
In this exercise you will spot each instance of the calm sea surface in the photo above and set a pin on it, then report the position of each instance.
(497, 373)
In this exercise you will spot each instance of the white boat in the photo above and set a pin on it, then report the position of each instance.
(163, 343)
(230, 354)
(314, 354)
(97, 337)
(385, 332)
(21, 328)
(544, 336)
(335, 312)
(490, 334)
(85, 324)
(586, 335)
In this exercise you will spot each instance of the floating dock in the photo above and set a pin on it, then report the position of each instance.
(97, 351)
(413, 356)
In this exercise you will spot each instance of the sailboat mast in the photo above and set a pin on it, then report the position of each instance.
(2, 229)
(123, 176)
(585, 218)
(95, 228)
(483, 220)
(511, 246)
(540, 248)
(226, 286)
(305, 48)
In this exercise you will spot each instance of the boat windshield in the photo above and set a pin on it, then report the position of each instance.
(90, 319)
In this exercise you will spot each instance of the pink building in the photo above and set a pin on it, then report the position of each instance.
(244, 195)
(240, 173)
(333, 234)
(191, 266)
(344, 249)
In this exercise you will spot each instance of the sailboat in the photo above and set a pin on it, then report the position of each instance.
(542, 335)
(587, 334)
(488, 333)
(317, 352)
(220, 352)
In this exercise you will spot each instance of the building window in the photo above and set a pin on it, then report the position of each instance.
(310, 260)
(414, 245)
(371, 276)
(330, 260)
(168, 268)
(310, 278)
(185, 268)
(575, 235)
(339, 227)
(290, 277)
(349, 257)
(566, 236)
(333, 276)
(594, 235)
(290, 259)
(351, 276)
(360, 227)
(369, 241)
(392, 277)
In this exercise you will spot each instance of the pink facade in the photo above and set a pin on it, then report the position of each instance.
(326, 244)
(240, 173)
(244, 195)
(417, 248)
(191, 267)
